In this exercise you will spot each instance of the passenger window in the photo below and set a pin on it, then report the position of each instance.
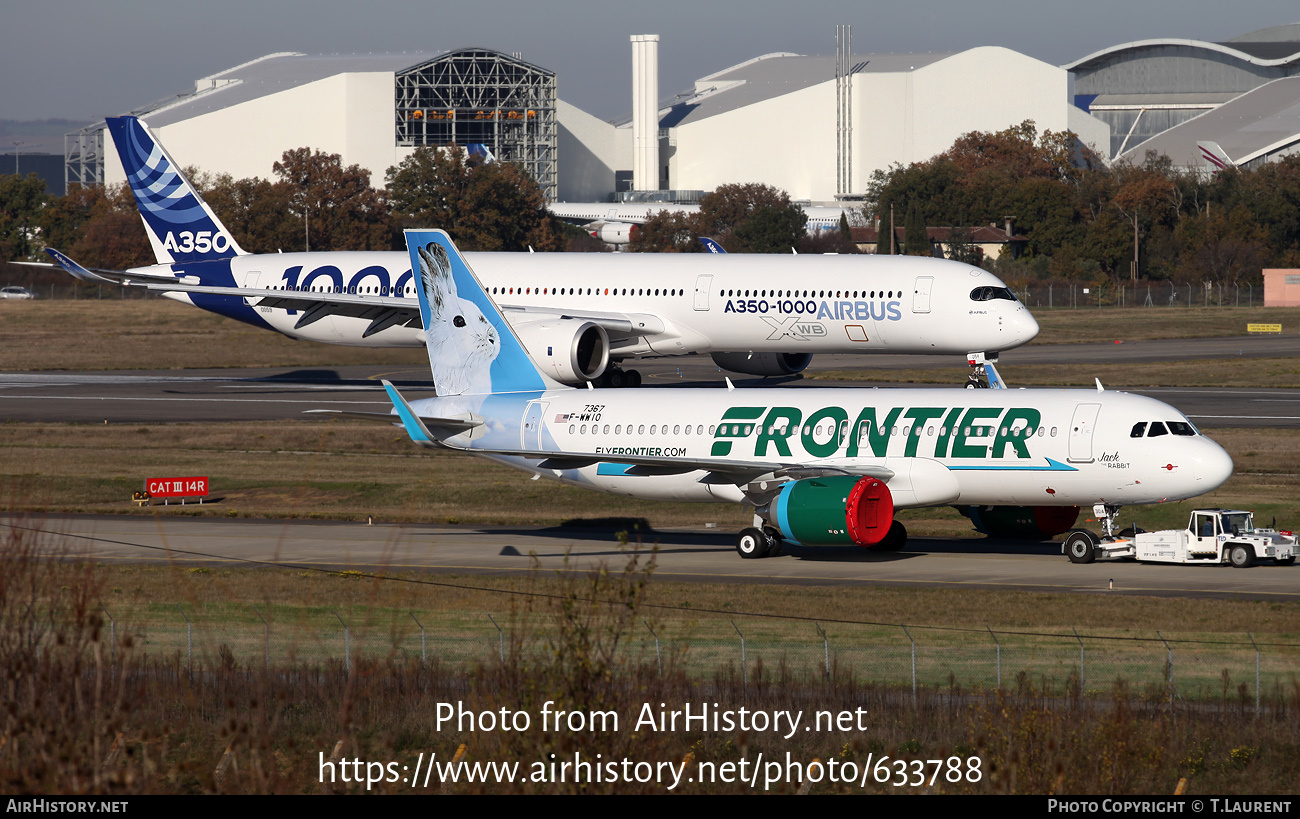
(711, 428)
(688, 429)
(1053, 432)
(1139, 429)
(607, 429)
(584, 429)
(572, 429)
(1157, 429)
(618, 429)
(640, 430)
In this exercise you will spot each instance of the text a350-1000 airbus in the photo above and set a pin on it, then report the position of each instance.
(820, 466)
(578, 314)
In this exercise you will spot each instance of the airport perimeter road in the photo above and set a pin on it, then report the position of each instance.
(137, 396)
(704, 555)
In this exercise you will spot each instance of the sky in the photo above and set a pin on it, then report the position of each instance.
(83, 60)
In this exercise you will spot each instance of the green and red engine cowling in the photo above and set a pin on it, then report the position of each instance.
(1030, 522)
(840, 509)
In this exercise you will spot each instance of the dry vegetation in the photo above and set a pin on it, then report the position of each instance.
(163, 334)
(83, 714)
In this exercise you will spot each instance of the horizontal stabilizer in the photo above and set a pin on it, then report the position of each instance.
(457, 424)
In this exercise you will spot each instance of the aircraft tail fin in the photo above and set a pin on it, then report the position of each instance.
(181, 226)
(472, 348)
(480, 150)
(711, 246)
(1214, 155)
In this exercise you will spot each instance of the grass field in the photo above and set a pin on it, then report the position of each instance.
(163, 334)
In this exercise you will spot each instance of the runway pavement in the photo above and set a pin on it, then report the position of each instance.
(145, 396)
(685, 555)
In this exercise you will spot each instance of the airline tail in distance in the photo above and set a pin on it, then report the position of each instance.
(1214, 155)
(181, 226)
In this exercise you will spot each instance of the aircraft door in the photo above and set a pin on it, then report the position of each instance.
(703, 284)
(531, 433)
(921, 294)
(250, 281)
(1081, 427)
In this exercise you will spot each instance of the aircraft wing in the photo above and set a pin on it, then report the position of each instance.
(729, 471)
(617, 324)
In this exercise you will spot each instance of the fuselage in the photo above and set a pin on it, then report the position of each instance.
(820, 219)
(943, 446)
(693, 303)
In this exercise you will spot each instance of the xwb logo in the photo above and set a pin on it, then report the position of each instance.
(794, 328)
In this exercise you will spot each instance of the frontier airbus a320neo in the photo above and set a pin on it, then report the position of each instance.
(580, 315)
(820, 466)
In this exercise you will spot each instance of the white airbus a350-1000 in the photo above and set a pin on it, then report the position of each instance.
(578, 314)
(820, 466)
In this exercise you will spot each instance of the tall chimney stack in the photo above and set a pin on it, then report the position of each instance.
(645, 112)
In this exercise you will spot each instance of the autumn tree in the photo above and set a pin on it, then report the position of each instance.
(338, 208)
(668, 231)
(64, 217)
(482, 205)
(257, 212)
(21, 201)
(113, 237)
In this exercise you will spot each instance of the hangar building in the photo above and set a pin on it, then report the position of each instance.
(1237, 93)
(776, 119)
(773, 119)
(373, 110)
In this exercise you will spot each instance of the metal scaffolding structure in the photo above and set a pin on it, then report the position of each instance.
(477, 95)
(83, 157)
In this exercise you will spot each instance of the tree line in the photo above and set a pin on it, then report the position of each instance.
(1080, 219)
(1086, 221)
(315, 202)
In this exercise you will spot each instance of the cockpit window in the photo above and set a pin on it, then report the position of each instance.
(1139, 429)
(988, 293)
(1157, 429)
(1180, 428)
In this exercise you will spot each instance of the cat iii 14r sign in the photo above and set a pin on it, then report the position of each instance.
(195, 487)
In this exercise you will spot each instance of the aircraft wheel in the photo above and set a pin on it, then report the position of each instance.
(617, 378)
(1242, 557)
(1285, 561)
(773, 543)
(634, 378)
(895, 540)
(751, 544)
(1081, 546)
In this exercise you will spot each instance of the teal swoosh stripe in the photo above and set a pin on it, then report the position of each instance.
(1052, 466)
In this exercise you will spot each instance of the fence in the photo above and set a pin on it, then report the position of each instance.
(1160, 667)
(1074, 295)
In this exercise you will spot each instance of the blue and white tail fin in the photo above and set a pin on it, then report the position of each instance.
(710, 245)
(181, 226)
(472, 349)
(482, 151)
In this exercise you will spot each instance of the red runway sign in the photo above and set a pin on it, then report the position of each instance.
(177, 487)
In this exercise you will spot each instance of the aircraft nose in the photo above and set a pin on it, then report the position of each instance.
(1023, 326)
(1213, 466)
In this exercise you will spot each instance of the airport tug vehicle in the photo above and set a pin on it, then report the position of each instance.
(1213, 536)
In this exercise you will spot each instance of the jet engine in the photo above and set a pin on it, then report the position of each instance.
(1029, 522)
(614, 233)
(837, 509)
(763, 363)
(571, 351)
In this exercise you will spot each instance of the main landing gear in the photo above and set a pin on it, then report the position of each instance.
(616, 377)
(755, 543)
